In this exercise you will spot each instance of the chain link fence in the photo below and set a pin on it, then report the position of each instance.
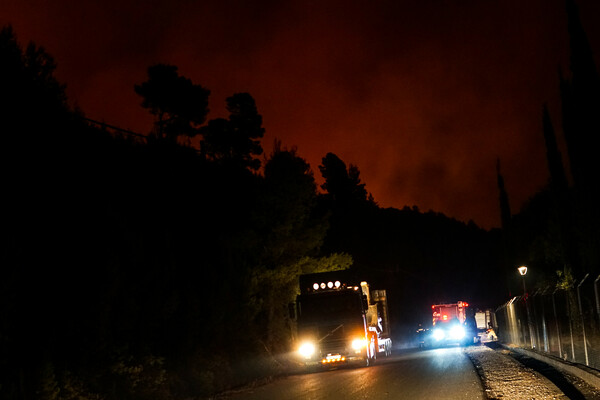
(562, 322)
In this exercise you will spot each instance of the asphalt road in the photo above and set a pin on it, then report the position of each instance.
(445, 373)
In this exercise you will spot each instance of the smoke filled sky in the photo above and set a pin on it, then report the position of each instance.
(423, 96)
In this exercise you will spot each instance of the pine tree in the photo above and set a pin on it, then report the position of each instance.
(236, 140)
(341, 183)
(178, 105)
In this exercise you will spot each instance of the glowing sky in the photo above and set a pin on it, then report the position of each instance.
(423, 96)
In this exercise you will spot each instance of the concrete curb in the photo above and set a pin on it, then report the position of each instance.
(590, 375)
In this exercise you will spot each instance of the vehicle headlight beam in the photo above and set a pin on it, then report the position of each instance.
(306, 349)
(457, 332)
(438, 334)
(358, 344)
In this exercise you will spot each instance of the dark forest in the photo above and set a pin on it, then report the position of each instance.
(161, 265)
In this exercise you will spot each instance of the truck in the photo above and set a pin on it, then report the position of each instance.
(485, 320)
(340, 320)
(451, 324)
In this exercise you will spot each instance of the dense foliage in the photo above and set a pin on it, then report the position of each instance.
(144, 268)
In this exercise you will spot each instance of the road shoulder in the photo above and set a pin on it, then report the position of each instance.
(505, 378)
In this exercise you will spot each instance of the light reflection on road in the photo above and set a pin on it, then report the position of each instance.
(444, 373)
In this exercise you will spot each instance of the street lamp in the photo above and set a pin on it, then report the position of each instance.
(523, 270)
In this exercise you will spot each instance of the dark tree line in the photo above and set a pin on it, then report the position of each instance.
(142, 269)
(556, 233)
(419, 258)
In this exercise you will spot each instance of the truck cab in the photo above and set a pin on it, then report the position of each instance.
(339, 321)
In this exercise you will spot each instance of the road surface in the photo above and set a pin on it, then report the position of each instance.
(444, 373)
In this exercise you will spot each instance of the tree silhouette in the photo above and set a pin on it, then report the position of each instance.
(105, 295)
(557, 229)
(289, 199)
(235, 140)
(581, 107)
(29, 89)
(505, 214)
(178, 105)
(291, 233)
(342, 184)
(580, 97)
(558, 178)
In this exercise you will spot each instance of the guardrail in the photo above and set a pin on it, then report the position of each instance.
(559, 322)
(116, 131)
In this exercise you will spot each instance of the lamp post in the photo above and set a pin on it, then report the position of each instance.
(523, 271)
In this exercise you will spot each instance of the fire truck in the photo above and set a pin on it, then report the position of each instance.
(340, 320)
(451, 324)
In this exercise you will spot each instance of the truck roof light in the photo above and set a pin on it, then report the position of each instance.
(316, 286)
(323, 285)
(337, 284)
(330, 285)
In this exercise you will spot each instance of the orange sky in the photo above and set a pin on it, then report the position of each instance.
(423, 98)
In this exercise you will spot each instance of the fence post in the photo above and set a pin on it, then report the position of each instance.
(587, 362)
(535, 318)
(544, 328)
(560, 353)
(596, 295)
(570, 316)
(532, 342)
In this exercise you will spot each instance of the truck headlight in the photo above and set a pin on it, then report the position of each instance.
(438, 334)
(457, 332)
(306, 349)
(358, 344)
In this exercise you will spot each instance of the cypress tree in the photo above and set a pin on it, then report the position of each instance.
(506, 220)
(560, 192)
(558, 178)
(581, 107)
(505, 215)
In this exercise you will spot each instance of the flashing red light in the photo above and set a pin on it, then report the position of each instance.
(466, 304)
(432, 307)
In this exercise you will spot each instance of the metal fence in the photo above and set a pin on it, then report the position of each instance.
(563, 323)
